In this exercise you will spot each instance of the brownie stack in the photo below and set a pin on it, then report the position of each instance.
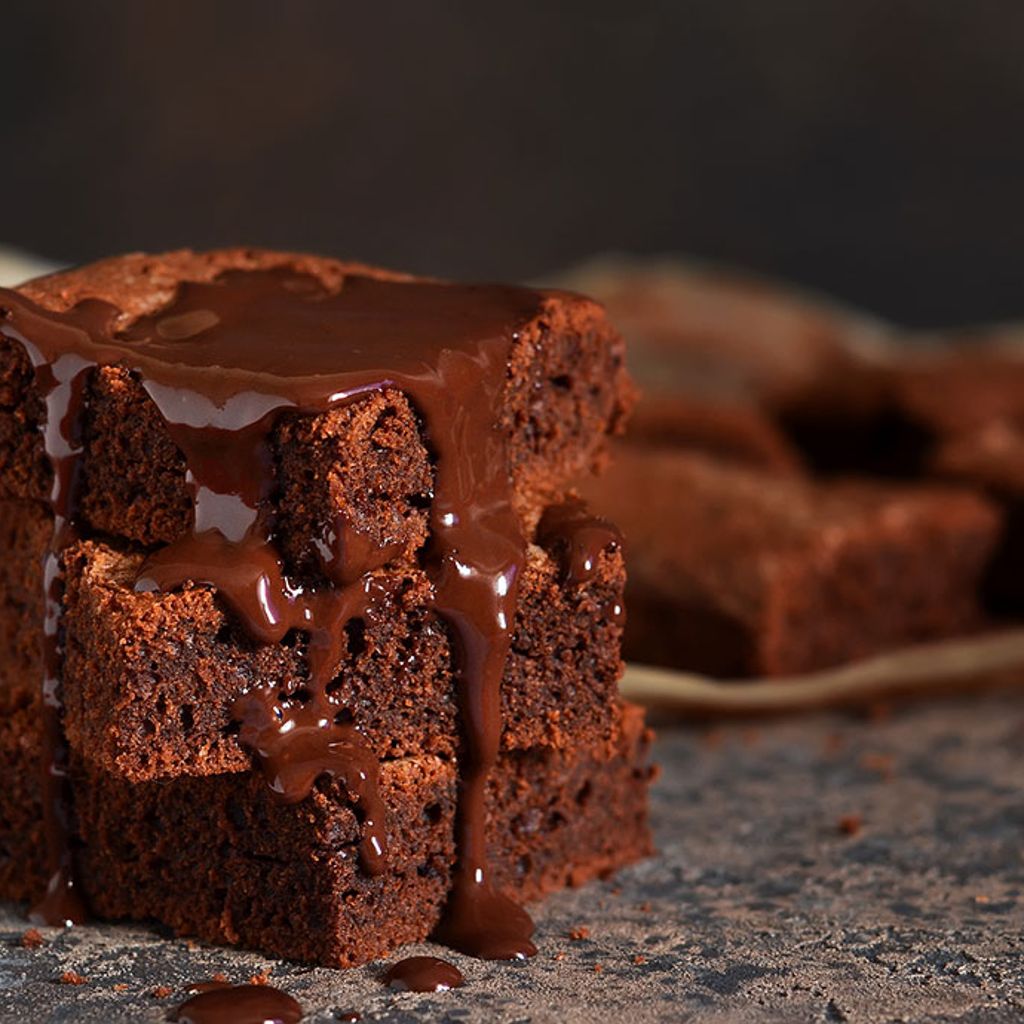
(328, 662)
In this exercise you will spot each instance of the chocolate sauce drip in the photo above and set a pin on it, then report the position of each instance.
(221, 363)
(423, 974)
(577, 538)
(221, 1003)
(346, 553)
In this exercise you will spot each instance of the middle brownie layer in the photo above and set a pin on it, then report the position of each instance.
(149, 680)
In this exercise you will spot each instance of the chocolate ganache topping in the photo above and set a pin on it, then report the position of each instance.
(221, 363)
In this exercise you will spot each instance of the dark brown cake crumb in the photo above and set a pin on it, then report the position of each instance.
(32, 939)
(850, 824)
(579, 933)
(72, 978)
(121, 987)
(161, 992)
(883, 764)
(263, 978)
(639, 959)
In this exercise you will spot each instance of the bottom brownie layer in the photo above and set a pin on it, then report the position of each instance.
(221, 859)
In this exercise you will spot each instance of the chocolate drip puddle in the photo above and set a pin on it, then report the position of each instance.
(216, 1002)
(221, 363)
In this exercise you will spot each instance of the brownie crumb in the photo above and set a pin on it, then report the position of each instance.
(32, 939)
(219, 976)
(161, 992)
(879, 712)
(73, 978)
(713, 738)
(644, 908)
(121, 986)
(560, 955)
(639, 959)
(598, 968)
(260, 979)
(850, 824)
(883, 764)
(833, 743)
(579, 933)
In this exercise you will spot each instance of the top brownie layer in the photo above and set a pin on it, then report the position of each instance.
(368, 462)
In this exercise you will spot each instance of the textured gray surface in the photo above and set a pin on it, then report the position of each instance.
(758, 907)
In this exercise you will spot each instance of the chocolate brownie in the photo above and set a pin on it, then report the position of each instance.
(290, 502)
(366, 463)
(221, 859)
(889, 417)
(991, 458)
(729, 431)
(736, 572)
(696, 331)
(150, 679)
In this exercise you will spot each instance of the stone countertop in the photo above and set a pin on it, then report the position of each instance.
(824, 868)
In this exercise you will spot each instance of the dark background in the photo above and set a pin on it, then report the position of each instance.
(872, 149)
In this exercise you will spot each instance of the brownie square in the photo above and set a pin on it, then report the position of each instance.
(150, 679)
(735, 572)
(219, 858)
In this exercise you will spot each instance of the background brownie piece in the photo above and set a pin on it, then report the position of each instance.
(567, 390)
(149, 679)
(735, 572)
(889, 417)
(701, 332)
(729, 431)
(222, 859)
(992, 459)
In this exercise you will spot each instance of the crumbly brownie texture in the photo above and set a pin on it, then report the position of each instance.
(219, 858)
(149, 679)
(738, 573)
(367, 462)
(25, 529)
(156, 684)
(23, 871)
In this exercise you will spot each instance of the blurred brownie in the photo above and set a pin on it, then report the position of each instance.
(727, 431)
(889, 418)
(992, 459)
(736, 572)
(696, 331)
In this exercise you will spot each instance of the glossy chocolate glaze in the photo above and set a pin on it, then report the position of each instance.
(423, 974)
(221, 363)
(220, 1003)
(577, 538)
